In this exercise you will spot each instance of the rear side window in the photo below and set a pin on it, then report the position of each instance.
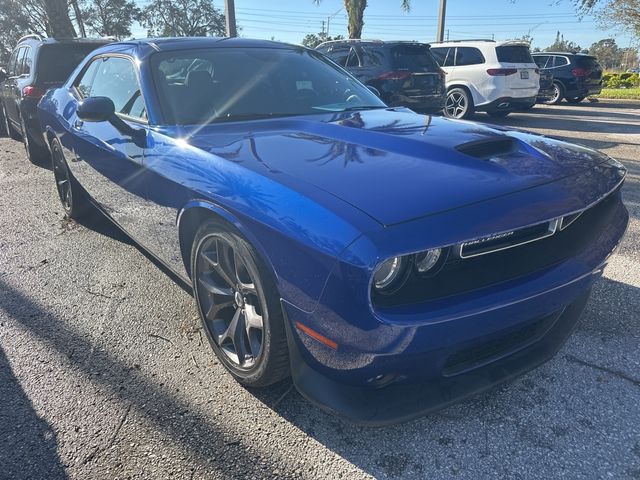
(115, 78)
(514, 54)
(443, 55)
(541, 61)
(559, 62)
(468, 56)
(414, 58)
(11, 70)
(344, 56)
(588, 63)
(20, 60)
(372, 57)
(56, 62)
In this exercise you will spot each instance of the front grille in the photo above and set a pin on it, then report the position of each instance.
(461, 275)
(482, 353)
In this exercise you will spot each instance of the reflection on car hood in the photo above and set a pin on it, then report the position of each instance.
(395, 165)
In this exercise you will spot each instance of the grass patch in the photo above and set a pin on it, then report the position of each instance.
(623, 93)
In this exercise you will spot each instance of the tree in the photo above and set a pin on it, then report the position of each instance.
(58, 17)
(312, 40)
(182, 18)
(110, 18)
(562, 45)
(608, 53)
(614, 13)
(355, 13)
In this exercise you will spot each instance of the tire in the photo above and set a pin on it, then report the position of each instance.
(70, 193)
(8, 129)
(35, 153)
(239, 306)
(458, 104)
(498, 114)
(575, 99)
(558, 94)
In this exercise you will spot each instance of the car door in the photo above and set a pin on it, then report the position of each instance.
(107, 162)
(12, 92)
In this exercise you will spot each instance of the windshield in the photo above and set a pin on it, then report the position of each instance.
(224, 84)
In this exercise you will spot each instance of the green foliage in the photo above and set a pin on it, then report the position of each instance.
(312, 40)
(182, 18)
(623, 93)
(562, 45)
(621, 80)
(614, 13)
(110, 18)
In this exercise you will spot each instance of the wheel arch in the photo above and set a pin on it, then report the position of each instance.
(195, 212)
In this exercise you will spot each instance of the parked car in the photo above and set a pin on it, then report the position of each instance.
(575, 75)
(36, 65)
(390, 262)
(484, 75)
(404, 73)
(547, 89)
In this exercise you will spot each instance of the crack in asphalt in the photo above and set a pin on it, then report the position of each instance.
(611, 371)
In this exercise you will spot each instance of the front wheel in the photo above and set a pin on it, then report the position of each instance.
(239, 306)
(458, 103)
(70, 193)
(558, 95)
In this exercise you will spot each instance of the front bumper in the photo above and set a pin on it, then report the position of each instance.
(404, 401)
(395, 364)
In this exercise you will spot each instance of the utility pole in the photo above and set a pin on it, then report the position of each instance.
(230, 15)
(323, 27)
(441, 16)
(329, 20)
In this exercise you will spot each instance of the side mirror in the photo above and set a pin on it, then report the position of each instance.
(96, 109)
(375, 91)
(102, 109)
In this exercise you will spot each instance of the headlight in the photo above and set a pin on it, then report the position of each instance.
(425, 261)
(389, 274)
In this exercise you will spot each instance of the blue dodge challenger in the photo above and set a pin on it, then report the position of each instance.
(391, 263)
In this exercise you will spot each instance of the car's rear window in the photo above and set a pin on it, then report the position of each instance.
(415, 58)
(56, 62)
(514, 54)
(588, 63)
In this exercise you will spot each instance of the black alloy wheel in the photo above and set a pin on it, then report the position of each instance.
(35, 153)
(70, 194)
(8, 129)
(239, 306)
(558, 95)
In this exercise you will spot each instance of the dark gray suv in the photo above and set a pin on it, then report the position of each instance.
(404, 73)
(36, 65)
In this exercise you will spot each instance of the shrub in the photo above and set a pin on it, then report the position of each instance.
(621, 80)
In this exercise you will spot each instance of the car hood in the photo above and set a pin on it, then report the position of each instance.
(395, 165)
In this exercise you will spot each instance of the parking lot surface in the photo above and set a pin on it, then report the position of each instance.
(104, 372)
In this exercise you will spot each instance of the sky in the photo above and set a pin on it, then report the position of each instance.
(290, 20)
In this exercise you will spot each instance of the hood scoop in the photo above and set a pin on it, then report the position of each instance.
(489, 148)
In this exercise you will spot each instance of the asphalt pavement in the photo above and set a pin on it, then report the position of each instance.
(104, 372)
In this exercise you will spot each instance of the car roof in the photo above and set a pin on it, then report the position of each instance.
(569, 54)
(480, 42)
(37, 40)
(179, 43)
(367, 41)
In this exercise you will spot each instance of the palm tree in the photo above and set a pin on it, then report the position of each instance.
(355, 12)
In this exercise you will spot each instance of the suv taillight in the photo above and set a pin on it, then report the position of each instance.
(502, 72)
(395, 75)
(31, 91)
(579, 72)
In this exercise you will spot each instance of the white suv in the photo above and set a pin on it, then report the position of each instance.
(484, 75)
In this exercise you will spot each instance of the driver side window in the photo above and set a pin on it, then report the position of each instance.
(114, 78)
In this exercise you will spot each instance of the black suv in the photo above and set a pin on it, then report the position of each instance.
(575, 75)
(35, 66)
(404, 73)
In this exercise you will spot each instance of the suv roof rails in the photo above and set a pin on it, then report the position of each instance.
(467, 40)
(35, 36)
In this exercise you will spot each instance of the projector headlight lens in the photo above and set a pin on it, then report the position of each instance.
(389, 274)
(425, 261)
